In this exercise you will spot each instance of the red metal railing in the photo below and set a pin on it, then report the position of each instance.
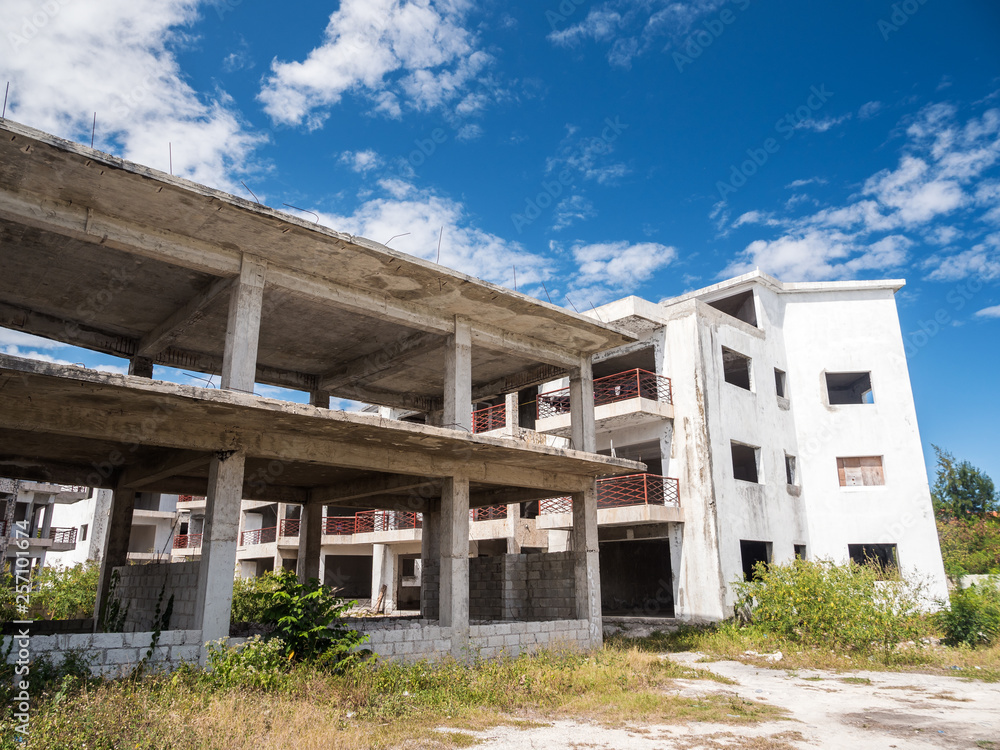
(289, 527)
(63, 536)
(259, 536)
(619, 492)
(488, 513)
(490, 418)
(187, 541)
(368, 521)
(611, 389)
(342, 525)
(190, 498)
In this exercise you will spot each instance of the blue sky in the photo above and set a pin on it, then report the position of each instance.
(600, 148)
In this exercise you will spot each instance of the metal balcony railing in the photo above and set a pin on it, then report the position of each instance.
(289, 527)
(63, 536)
(611, 389)
(187, 541)
(490, 418)
(369, 521)
(190, 498)
(620, 492)
(259, 536)
(488, 513)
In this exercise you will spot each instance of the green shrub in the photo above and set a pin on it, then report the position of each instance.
(66, 593)
(253, 596)
(822, 604)
(974, 616)
(257, 663)
(970, 546)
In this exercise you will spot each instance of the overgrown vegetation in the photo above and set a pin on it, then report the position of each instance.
(970, 546)
(58, 593)
(966, 504)
(253, 596)
(960, 489)
(370, 705)
(832, 606)
(974, 616)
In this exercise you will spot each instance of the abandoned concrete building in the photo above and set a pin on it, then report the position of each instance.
(523, 471)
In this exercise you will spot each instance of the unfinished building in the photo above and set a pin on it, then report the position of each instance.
(124, 260)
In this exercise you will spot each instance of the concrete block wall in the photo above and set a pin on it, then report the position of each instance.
(398, 639)
(486, 587)
(139, 588)
(536, 586)
(510, 639)
(111, 654)
(430, 588)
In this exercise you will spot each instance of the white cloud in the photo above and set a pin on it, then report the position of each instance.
(610, 269)
(869, 110)
(117, 60)
(361, 161)
(398, 53)
(989, 312)
(17, 351)
(19, 338)
(802, 183)
(572, 209)
(939, 174)
(822, 125)
(590, 156)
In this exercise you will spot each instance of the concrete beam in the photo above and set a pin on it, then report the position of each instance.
(499, 340)
(140, 367)
(581, 407)
(586, 563)
(363, 369)
(239, 363)
(140, 476)
(164, 335)
(368, 487)
(458, 378)
(455, 563)
(507, 496)
(519, 381)
(218, 551)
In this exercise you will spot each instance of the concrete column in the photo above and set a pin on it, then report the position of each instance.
(430, 561)
(455, 563)
(513, 519)
(586, 563)
(141, 367)
(310, 541)
(581, 407)
(218, 549)
(513, 405)
(458, 378)
(47, 518)
(115, 551)
(384, 573)
(239, 365)
(675, 533)
(320, 399)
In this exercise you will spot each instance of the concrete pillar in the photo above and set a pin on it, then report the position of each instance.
(384, 573)
(430, 561)
(239, 366)
(586, 563)
(115, 550)
(218, 549)
(458, 378)
(512, 407)
(320, 399)
(141, 367)
(47, 518)
(513, 519)
(581, 407)
(675, 533)
(455, 563)
(310, 541)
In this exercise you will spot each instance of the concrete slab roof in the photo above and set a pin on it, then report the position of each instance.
(77, 426)
(123, 259)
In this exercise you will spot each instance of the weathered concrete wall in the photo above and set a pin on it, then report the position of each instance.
(535, 586)
(113, 654)
(140, 586)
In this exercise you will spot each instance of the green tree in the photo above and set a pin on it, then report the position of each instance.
(960, 489)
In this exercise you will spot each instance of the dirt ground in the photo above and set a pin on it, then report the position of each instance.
(826, 710)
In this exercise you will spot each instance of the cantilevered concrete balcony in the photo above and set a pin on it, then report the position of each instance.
(187, 544)
(624, 399)
(58, 539)
(621, 501)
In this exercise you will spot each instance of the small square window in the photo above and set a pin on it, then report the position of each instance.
(790, 470)
(752, 553)
(849, 388)
(882, 556)
(746, 462)
(779, 383)
(800, 552)
(409, 567)
(83, 532)
(736, 369)
(860, 471)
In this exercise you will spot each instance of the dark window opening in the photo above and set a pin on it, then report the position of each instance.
(83, 532)
(289, 563)
(643, 359)
(790, 469)
(745, 463)
(800, 552)
(527, 409)
(860, 471)
(883, 556)
(849, 388)
(753, 553)
(350, 575)
(779, 382)
(736, 368)
(408, 566)
(636, 578)
(740, 306)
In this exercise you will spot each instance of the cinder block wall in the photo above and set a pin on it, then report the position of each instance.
(139, 589)
(430, 588)
(531, 587)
